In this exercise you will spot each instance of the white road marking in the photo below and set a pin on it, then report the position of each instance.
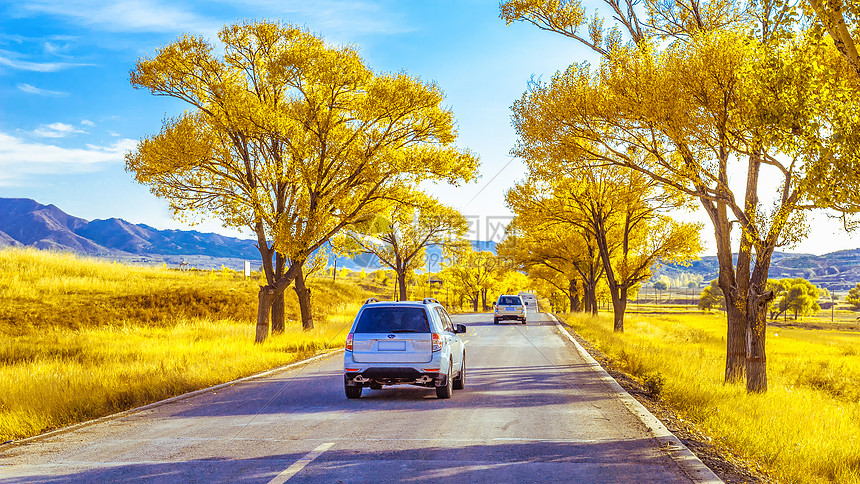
(300, 464)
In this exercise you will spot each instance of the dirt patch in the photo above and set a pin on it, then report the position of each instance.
(727, 466)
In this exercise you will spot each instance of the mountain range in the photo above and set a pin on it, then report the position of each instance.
(25, 222)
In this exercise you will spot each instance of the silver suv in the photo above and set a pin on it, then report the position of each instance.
(394, 343)
(509, 307)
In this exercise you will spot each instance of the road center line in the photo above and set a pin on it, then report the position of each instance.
(300, 464)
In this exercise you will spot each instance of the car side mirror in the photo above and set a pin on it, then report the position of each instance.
(460, 328)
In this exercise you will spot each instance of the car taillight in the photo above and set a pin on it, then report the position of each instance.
(349, 342)
(437, 342)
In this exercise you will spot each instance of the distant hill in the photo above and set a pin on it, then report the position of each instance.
(28, 223)
(839, 271)
(25, 222)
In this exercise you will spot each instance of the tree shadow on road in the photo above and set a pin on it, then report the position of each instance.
(358, 461)
(322, 391)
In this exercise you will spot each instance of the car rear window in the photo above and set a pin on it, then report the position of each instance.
(393, 320)
(510, 301)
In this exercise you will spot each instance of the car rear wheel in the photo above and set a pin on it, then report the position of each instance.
(460, 381)
(447, 390)
(352, 391)
(495, 320)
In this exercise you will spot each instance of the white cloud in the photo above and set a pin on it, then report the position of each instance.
(52, 48)
(87, 122)
(344, 18)
(56, 130)
(7, 59)
(126, 15)
(20, 159)
(120, 147)
(29, 89)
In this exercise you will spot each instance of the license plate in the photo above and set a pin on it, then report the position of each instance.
(392, 346)
(509, 308)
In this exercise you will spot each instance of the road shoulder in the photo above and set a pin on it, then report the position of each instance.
(695, 469)
(720, 461)
(71, 428)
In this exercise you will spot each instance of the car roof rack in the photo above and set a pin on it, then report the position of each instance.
(429, 300)
(371, 300)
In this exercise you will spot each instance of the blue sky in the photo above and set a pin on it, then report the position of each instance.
(68, 113)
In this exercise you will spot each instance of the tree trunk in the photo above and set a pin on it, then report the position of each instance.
(573, 299)
(401, 286)
(483, 299)
(278, 325)
(619, 306)
(756, 331)
(475, 301)
(589, 296)
(275, 285)
(304, 295)
(265, 298)
(586, 298)
(735, 318)
(756, 361)
(735, 343)
(573, 295)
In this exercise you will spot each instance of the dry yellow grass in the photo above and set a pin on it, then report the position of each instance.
(84, 338)
(805, 429)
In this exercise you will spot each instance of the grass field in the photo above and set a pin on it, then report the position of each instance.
(805, 429)
(83, 338)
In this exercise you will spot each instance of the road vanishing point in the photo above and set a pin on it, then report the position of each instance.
(534, 409)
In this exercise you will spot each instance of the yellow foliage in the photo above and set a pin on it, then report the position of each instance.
(86, 338)
(802, 430)
(399, 235)
(290, 137)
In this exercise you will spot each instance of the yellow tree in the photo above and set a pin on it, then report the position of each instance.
(289, 137)
(622, 211)
(692, 105)
(315, 263)
(551, 251)
(512, 282)
(841, 20)
(401, 234)
(471, 273)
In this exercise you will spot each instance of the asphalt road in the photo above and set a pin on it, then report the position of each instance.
(532, 411)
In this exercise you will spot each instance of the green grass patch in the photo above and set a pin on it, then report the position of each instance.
(83, 338)
(805, 429)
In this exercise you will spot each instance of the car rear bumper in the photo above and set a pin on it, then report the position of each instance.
(504, 317)
(395, 376)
